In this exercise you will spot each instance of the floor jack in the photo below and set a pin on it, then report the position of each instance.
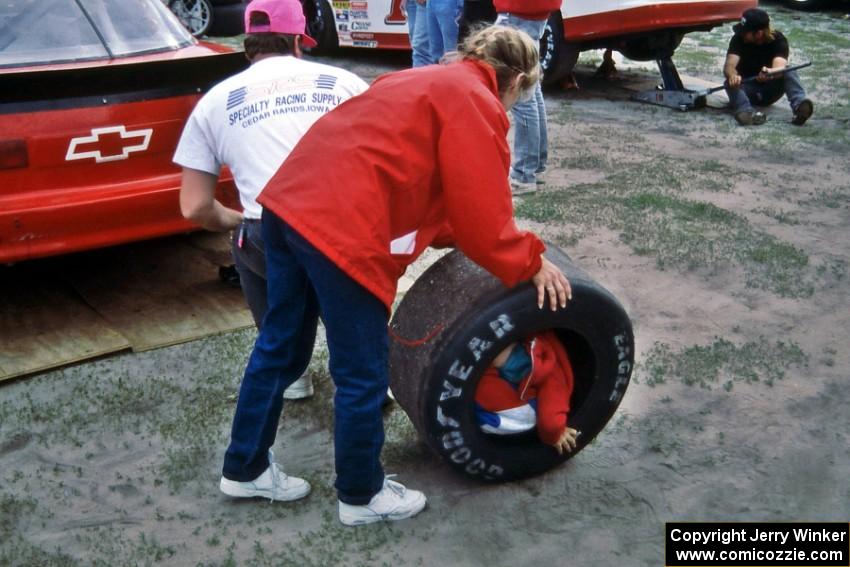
(673, 94)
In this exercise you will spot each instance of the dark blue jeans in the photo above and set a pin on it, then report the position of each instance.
(765, 94)
(250, 260)
(302, 282)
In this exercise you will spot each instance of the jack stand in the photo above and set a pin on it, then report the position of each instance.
(672, 92)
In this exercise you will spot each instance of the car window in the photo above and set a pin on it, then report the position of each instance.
(36, 32)
(134, 26)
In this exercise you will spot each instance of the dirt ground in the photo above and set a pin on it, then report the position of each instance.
(728, 248)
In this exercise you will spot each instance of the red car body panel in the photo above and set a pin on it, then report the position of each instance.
(653, 17)
(98, 170)
(86, 186)
(382, 24)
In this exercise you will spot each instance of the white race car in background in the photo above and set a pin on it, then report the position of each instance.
(642, 30)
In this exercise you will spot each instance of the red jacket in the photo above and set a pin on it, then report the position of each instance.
(420, 155)
(528, 9)
(550, 382)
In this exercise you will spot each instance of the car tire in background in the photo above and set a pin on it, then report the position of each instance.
(557, 57)
(806, 5)
(651, 47)
(321, 25)
(195, 15)
(453, 322)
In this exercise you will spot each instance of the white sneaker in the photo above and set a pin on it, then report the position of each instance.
(519, 188)
(273, 484)
(393, 502)
(300, 389)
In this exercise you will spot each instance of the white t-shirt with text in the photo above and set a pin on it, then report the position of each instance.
(252, 121)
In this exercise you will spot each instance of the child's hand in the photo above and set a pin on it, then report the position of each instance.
(567, 441)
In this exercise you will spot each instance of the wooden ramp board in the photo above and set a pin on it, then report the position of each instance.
(45, 324)
(63, 310)
(162, 292)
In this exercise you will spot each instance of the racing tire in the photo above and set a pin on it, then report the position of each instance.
(557, 57)
(195, 15)
(437, 356)
(321, 25)
(805, 5)
(651, 47)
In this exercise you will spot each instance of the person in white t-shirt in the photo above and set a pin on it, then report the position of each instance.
(251, 122)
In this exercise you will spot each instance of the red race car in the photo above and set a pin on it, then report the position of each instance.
(94, 97)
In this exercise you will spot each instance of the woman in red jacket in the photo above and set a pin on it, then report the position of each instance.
(418, 159)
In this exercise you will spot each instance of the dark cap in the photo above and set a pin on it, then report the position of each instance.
(752, 20)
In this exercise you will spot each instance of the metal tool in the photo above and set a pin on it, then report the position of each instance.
(673, 94)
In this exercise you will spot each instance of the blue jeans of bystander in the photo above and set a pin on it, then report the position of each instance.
(531, 140)
(249, 255)
(443, 20)
(417, 26)
(765, 94)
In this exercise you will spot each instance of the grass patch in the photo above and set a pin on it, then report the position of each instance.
(831, 199)
(780, 216)
(16, 551)
(722, 362)
(679, 233)
(334, 544)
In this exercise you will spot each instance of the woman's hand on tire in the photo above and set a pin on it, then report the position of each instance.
(550, 279)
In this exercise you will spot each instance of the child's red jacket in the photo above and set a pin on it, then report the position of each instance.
(550, 382)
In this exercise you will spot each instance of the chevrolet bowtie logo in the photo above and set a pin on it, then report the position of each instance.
(112, 143)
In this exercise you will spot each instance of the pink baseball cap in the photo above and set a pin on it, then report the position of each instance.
(285, 16)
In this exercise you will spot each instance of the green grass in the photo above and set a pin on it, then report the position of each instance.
(722, 362)
(682, 234)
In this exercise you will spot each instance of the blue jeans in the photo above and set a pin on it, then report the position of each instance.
(443, 20)
(765, 94)
(531, 140)
(250, 260)
(302, 283)
(417, 25)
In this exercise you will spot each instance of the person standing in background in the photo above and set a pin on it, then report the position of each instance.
(417, 26)
(443, 18)
(531, 142)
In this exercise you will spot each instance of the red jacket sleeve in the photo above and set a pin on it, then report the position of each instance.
(473, 158)
(445, 238)
(554, 388)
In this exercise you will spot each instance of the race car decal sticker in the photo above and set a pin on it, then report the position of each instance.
(111, 143)
(326, 81)
(396, 15)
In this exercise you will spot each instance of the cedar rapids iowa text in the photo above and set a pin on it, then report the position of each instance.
(800, 535)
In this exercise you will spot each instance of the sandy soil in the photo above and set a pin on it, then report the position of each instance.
(737, 411)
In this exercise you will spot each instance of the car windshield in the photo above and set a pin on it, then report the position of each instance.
(36, 32)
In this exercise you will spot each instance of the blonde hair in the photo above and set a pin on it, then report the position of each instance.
(509, 51)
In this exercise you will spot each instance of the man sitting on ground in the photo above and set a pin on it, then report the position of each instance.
(756, 50)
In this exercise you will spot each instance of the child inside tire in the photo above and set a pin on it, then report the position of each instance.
(528, 385)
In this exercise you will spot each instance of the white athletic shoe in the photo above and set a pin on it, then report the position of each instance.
(519, 188)
(393, 502)
(300, 389)
(273, 484)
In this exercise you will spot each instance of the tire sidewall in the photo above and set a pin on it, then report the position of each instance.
(208, 23)
(551, 44)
